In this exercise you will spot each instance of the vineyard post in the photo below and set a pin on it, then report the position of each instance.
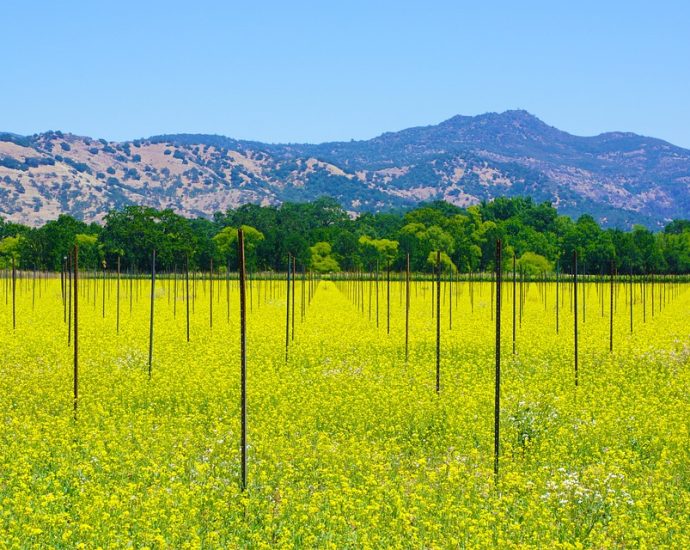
(117, 296)
(227, 290)
(438, 321)
(600, 291)
(75, 377)
(210, 294)
(294, 272)
(186, 296)
(287, 302)
(69, 298)
(175, 291)
(388, 297)
(362, 289)
(611, 309)
(630, 281)
(14, 294)
(557, 300)
(377, 294)
(371, 287)
(103, 278)
(497, 383)
(64, 290)
(575, 311)
(514, 295)
(303, 295)
(407, 308)
(210, 297)
(522, 292)
(243, 356)
(643, 290)
(153, 295)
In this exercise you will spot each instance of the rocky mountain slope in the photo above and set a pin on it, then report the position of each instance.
(620, 178)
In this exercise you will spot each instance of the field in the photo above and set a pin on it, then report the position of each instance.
(350, 445)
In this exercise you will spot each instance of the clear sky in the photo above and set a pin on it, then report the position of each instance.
(299, 71)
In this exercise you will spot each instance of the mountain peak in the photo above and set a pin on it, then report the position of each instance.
(510, 116)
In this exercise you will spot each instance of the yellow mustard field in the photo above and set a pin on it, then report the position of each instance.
(349, 444)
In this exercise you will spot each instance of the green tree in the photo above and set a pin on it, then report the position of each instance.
(9, 248)
(534, 264)
(321, 258)
(90, 251)
(379, 252)
(226, 242)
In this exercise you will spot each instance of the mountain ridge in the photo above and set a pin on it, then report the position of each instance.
(619, 177)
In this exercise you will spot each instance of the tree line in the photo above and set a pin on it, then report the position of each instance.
(323, 237)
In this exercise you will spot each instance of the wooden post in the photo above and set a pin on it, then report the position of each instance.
(631, 300)
(294, 271)
(611, 309)
(210, 297)
(303, 297)
(186, 296)
(377, 294)
(117, 297)
(153, 296)
(287, 309)
(103, 298)
(497, 380)
(514, 296)
(522, 292)
(14, 294)
(407, 308)
(557, 300)
(243, 357)
(75, 376)
(371, 288)
(575, 311)
(643, 290)
(388, 297)
(69, 297)
(227, 291)
(63, 268)
(438, 321)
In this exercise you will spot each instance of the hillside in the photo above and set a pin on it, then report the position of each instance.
(620, 178)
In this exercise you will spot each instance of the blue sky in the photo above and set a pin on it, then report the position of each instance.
(316, 71)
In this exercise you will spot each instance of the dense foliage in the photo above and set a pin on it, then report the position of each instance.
(542, 239)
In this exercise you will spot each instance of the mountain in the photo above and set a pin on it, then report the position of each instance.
(619, 178)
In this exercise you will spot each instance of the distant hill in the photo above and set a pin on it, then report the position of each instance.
(619, 178)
